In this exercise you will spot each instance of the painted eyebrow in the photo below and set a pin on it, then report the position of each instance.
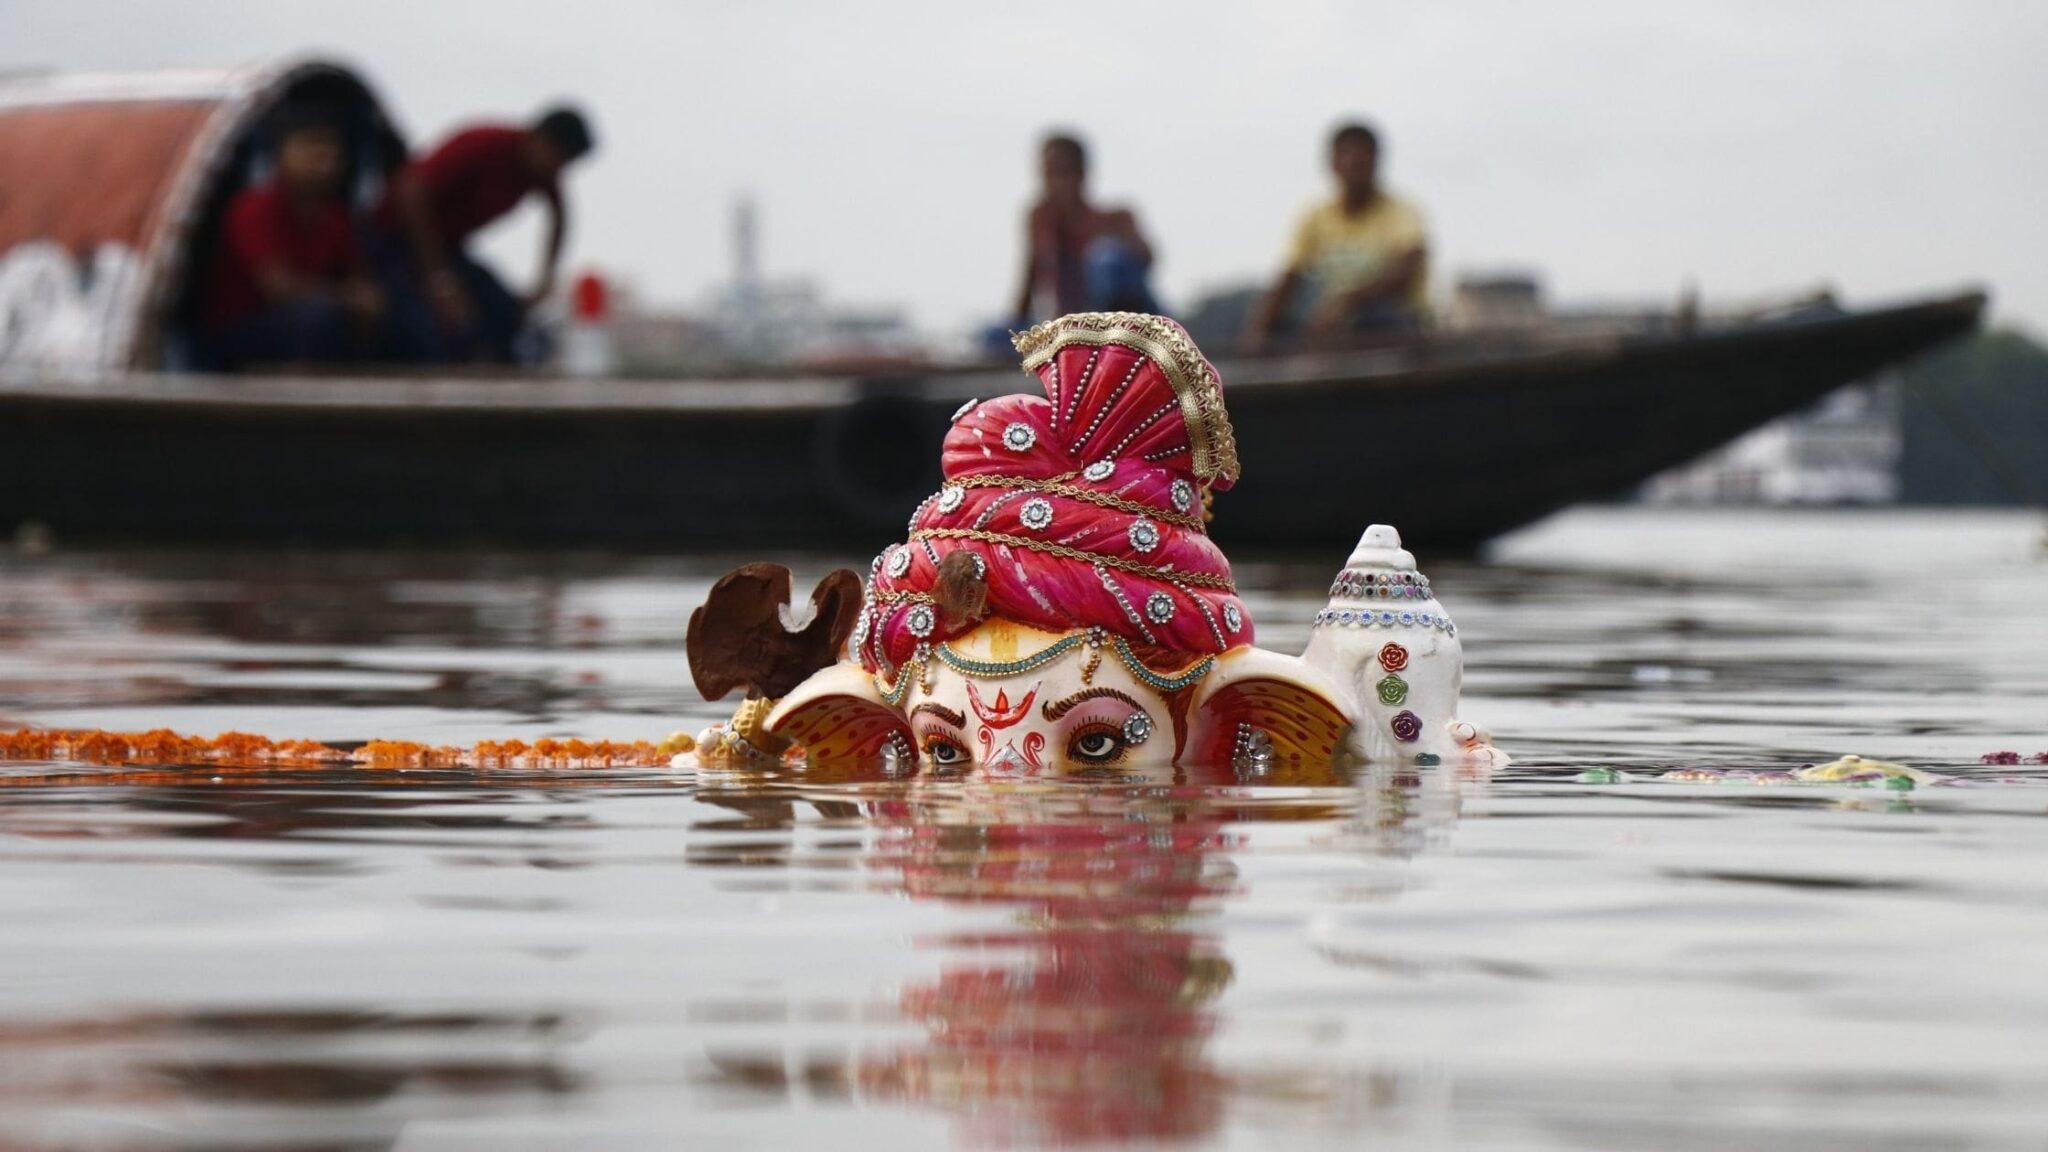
(1059, 708)
(942, 712)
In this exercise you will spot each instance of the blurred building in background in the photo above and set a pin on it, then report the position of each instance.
(1844, 450)
(1960, 426)
(752, 321)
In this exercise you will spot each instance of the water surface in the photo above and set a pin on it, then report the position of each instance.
(1416, 959)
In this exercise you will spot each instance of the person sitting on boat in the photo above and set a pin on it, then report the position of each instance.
(1363, 256)
(453, 306)
(287, 282)
(1079, 257)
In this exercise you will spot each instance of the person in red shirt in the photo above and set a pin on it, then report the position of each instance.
(287, 283)
(1080, 257)
(457, 308)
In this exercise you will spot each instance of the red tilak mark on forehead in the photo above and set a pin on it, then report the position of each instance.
(1000, 714)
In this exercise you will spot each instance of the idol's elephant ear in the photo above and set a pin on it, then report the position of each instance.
(748, 635)
(1265, 714)
(839, 717)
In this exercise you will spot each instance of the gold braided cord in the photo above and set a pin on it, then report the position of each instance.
(886, 596)
(1167, 575)
(1100, 499)
(1192, 377)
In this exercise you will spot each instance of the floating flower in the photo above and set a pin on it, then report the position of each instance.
(1393, 657)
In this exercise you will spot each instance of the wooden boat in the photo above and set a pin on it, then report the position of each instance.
(1454, 448)
(1453, 440)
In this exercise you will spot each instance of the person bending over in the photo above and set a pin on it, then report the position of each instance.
(456, 308)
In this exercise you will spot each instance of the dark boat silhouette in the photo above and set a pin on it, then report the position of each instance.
(1453, 439)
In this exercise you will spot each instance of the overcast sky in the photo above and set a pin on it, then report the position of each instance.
(1883, 146)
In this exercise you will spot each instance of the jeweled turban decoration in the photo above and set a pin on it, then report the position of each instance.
(1079, 508)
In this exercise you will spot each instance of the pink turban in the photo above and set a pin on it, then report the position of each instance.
(1083, 508)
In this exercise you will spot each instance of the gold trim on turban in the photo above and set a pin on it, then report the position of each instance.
(1192, 377)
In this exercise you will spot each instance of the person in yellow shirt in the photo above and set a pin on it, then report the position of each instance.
(1364, 255)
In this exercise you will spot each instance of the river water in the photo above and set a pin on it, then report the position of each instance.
(358, 959)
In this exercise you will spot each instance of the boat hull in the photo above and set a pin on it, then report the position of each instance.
(1454, 450)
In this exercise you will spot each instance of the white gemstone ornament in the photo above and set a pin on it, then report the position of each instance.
(1137, 728)
(1159, 607)
(1144, 535)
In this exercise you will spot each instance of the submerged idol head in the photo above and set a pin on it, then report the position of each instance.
(1013, 701)
(1021, 702)
(1058, 607)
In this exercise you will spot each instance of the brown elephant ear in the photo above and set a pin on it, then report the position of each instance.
(727, 640)
(740, 637)
(835, 607)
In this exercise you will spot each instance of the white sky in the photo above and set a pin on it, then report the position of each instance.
(1888, 147)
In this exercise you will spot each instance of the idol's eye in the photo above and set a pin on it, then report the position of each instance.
(944, 752)
(1096, 745)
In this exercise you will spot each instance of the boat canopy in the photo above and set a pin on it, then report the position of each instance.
(111, 192)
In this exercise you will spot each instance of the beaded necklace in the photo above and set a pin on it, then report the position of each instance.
(1093, 639)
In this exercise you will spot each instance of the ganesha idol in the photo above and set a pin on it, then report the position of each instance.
(1058, 608)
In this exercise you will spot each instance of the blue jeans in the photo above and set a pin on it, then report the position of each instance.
(312, 329)
(1116, 278)
(419, 335)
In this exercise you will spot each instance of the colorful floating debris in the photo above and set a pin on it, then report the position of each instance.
(1854, 771)
(1857, 770)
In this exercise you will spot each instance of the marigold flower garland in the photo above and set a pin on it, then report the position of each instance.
(165, 747)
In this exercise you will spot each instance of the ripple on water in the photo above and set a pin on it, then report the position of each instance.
(344, 957)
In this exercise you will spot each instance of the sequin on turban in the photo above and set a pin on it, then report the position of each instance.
(1083, 507)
